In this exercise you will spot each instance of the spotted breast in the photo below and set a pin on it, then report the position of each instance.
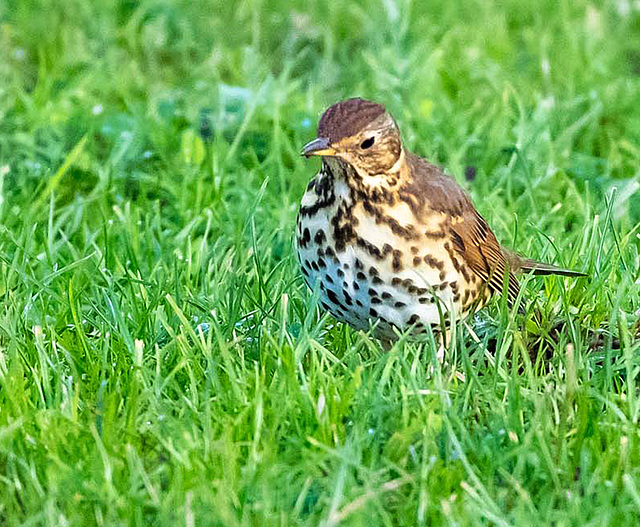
(372, 266)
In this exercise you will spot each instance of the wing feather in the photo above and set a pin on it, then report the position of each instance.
(480, 249)
(472, 237)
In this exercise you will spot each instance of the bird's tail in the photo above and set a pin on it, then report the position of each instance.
(541, 268)
(526, 265)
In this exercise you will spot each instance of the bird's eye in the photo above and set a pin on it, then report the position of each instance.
(367, 143)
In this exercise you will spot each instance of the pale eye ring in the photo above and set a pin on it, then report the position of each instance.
(367, 143)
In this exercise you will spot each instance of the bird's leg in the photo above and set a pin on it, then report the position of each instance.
(444, 338)
(441, 340)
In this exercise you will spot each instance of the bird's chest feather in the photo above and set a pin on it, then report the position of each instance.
(373, 263)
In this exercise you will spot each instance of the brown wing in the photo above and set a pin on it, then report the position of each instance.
(474, 241)
(472, 238)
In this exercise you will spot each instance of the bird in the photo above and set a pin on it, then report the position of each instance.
(390, 241)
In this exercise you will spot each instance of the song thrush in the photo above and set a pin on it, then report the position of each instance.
(390, 240)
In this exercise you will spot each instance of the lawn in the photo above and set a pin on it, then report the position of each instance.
(161, 361)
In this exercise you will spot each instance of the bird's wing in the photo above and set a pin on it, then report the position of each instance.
(472, 238)
(478, 246)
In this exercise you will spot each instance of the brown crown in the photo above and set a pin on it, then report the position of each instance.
(346, 118)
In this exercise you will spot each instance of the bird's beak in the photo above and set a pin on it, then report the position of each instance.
(318, 147)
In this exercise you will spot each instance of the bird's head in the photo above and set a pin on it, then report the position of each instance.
(364, 136)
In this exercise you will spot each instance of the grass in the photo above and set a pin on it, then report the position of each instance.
(161, 362)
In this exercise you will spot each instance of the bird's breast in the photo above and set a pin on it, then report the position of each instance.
(374, 263)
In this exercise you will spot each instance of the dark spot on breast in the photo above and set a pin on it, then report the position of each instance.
(358, 264)
(323, 186)
(396, 281)
(320, 252)
(328, 278)
(373, 312)
(320, 237)
(306, 235)
(434, 263)
(421, 290)
(413, 319)
(325, 305)
(358, 303)
(330, 252)
(399, 304)
(343, 223)
(456, 297)
(370, 248)
(417, 261)
(361, 276)
(347, 298)
(424, 299)
(465, 298)
(315, 267)
(442, 275)
(435, 235)
(386, 295)
(414, 249)
(377, 281)
(396, 263)
(304, 271)
(373, 271)
(376, 300)
(443, 286)
(372, 292)
(340, 273)
(355, 285)
(382, 195)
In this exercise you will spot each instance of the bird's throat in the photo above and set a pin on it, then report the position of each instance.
(369, 186)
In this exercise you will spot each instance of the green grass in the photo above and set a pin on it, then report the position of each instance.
(161, 362)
